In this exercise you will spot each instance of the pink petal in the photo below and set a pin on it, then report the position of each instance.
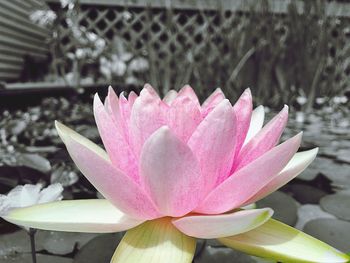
(148, 114)
(120, 109)
(114, 141)
(125, 111)
(151, 91)
(213, 143)
(296, 165)
(183, 117)
(187, 91)
(113, 184)
(216, 226)
(245, 183)
(243, 110)
(256, 123)
(112, 104)
(170, 173)
(170, 96)
(214, 99)
(131, 98)
(267, 138)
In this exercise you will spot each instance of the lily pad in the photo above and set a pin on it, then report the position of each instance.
(283, 205)
(310, 212)
(214, 243)
(88, 131)
(18, 242)
(63, 175)
(305, 194)
(334, 232)
(343, 155)
(317, 166)
(223, 255)
(63, 243)
(338, 205)
(100, 249)
(340, 175)
(34, 161)
(17, 126)
(27, 258)
(336, 172)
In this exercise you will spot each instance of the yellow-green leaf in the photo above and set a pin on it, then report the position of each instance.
(155, 241)
(93, 216)
(275, 240)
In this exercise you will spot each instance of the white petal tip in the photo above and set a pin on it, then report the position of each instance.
(110, 90)
(224, 103)
(97, 100)
(218, 90)
(62, 130)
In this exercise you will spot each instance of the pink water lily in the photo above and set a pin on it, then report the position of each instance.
(175, 170)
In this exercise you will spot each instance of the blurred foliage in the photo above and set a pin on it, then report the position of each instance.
(32, 152)
(280, 56)
(92, 59)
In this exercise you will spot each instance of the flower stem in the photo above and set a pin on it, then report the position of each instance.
(31, 233)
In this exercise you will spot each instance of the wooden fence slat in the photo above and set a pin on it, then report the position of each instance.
(37, 3)
(20, 20)
(23, 4)
(8, 76)
(5, 67)
(30, 48)
(21, 28)
(11, 59)
(4, 31)
(12, 7)
(19, 52)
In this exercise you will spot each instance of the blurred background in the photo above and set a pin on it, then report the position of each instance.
(55, 54)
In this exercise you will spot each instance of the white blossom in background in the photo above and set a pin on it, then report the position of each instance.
(43, 17)
(131, 80)
(69, 3)
(300, 117)
(126, 15)
(320, 100)
(340, 99)
(105, 68)
(28, 195)
(139, 64)
(301, 100)
(125, 56)
(118, 67)
(114, 66)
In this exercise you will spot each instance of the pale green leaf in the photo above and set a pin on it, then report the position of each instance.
(92, 216)
(155, 241)
(275, 240)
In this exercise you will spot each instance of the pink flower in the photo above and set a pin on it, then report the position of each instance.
(174, 169)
